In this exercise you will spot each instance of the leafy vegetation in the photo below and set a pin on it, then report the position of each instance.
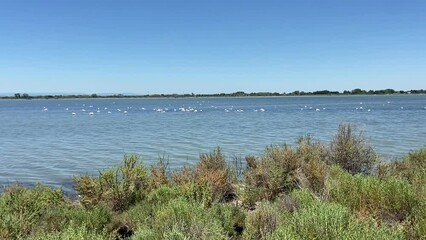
(309, 190)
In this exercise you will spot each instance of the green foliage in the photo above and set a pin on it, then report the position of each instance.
(210, 176)
(324, 220)
(21, 209)
(282, 169)
(321, 220)
(213, 170)
(158, 175)
(369, 229)
(118, 188)
(303, 197)
(144, 234)
(412, 167)
(180, 215)
(58, 218)
(71, 233)
(350, 150)
(390, 198)
(419, 226)
(314, 171)
(285, 232)
(262, 222)
(163, 195)
(232, 218)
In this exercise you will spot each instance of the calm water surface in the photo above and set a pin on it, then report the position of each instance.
(51, 141)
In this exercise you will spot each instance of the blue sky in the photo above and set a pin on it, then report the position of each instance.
(211, 46)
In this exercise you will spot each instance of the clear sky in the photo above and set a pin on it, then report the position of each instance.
(141, 47)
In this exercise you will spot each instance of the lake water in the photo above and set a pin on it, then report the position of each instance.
(51, 141)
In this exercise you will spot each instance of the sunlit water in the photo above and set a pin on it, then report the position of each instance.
(51, 141)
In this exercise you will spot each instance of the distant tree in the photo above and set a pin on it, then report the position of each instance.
(240, 93)
(358, 91)
(94, 95)
(25, 95)
(389, 91)
(17, 95)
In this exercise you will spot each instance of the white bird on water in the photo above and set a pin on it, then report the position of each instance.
(74, 113)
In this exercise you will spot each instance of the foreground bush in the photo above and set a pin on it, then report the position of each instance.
(412, 167)
(350, 150)
(118, 188)
(305, 191)
(22, 209)
(262, 222)
(282, 169)
(71, 233)
(390, 199)
(187, 219)
(212, 177)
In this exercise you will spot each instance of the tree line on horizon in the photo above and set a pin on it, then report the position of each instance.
(356, 91)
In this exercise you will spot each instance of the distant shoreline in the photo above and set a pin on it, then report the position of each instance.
(355, 92)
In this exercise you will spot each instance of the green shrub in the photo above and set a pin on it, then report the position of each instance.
(314, 168)
(389, 199)
(321, 221)
(370, 230)
(158, 175)
(180, 215)
(118, 188)
(140, 216)
(232, 218)
(412, 167)
(262, 222)
(58, 218)
(22, 208)
(200, 193)
(213, 170)
(163, 195)
(350, 150)
(272, 174)
(211, 173)
(303, 197)
(417, 229)
(144, 234)
(71, 233)
(284, 232)
(282, 169)
(175, 234)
